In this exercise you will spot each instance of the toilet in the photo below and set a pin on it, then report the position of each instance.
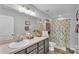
(51, 47)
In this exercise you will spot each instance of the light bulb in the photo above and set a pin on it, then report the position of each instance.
(21, 9)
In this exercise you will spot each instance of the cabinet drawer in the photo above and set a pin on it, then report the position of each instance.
(41, 51)
(20, 52)
(33, 52)
(31, 48)
(40, 47)
(40, 43)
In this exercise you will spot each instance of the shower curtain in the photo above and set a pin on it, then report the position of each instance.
(60, 32)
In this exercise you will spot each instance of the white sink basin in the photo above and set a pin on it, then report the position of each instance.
(18, 44)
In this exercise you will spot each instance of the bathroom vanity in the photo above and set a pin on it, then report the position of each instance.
(37, 45)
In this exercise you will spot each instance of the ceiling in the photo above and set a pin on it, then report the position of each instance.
(50, 9)
(56, 9)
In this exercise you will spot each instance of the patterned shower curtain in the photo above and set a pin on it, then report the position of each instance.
(60, 32)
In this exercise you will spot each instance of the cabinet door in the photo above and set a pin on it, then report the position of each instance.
(41, 47)
(41, 51)
(47, 45)
(33, 52)
(41, 43)
(31, 48)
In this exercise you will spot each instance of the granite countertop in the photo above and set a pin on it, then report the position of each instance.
(4, 48)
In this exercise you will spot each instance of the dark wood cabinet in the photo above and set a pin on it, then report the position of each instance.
(41, 47)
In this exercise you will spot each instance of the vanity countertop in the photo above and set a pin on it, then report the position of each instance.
(4, 48)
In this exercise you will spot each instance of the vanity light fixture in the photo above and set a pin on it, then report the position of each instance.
(30, 12)
(23, 9)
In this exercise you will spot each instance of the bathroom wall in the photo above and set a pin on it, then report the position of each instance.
(19, 19)
(77, 34)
